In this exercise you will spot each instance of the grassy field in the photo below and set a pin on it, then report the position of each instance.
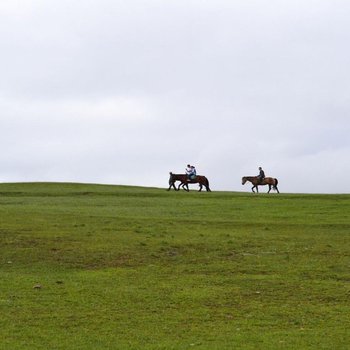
(115, 267)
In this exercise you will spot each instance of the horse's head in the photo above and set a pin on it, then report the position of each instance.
(244, 180)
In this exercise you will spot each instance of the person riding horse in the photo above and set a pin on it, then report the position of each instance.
(261, 180)
(184, 181)
(191, 172)
(261, 175)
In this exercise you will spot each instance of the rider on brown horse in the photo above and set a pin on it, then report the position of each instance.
(261, 175)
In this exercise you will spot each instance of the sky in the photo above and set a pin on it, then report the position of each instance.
(123, 92)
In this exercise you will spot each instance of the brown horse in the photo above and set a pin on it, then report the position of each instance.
(184, 181)
(270, 181)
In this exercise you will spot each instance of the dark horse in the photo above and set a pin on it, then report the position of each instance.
(184, 181)
(256, 182)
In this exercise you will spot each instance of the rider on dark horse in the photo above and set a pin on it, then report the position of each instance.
(261, 175)
(191, 172)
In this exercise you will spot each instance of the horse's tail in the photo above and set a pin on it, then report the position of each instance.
(276, 183)
(207, 184)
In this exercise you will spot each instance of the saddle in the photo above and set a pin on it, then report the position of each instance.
(260, 180)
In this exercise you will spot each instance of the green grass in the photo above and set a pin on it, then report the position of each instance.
(142, 268)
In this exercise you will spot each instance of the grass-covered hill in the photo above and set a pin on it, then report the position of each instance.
(115, 267)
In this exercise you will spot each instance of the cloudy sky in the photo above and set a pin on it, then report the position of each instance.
(124, 91)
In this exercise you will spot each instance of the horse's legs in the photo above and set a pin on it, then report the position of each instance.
(253, 189)
(171, 185)
(269, 189)
(277, 189)
(200, 188)
(182, 184)
(185, 186)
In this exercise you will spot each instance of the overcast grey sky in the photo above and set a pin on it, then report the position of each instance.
(122, 92)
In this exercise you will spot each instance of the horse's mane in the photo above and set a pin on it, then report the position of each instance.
(171, 173)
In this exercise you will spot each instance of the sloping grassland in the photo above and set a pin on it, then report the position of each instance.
(115, 267)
